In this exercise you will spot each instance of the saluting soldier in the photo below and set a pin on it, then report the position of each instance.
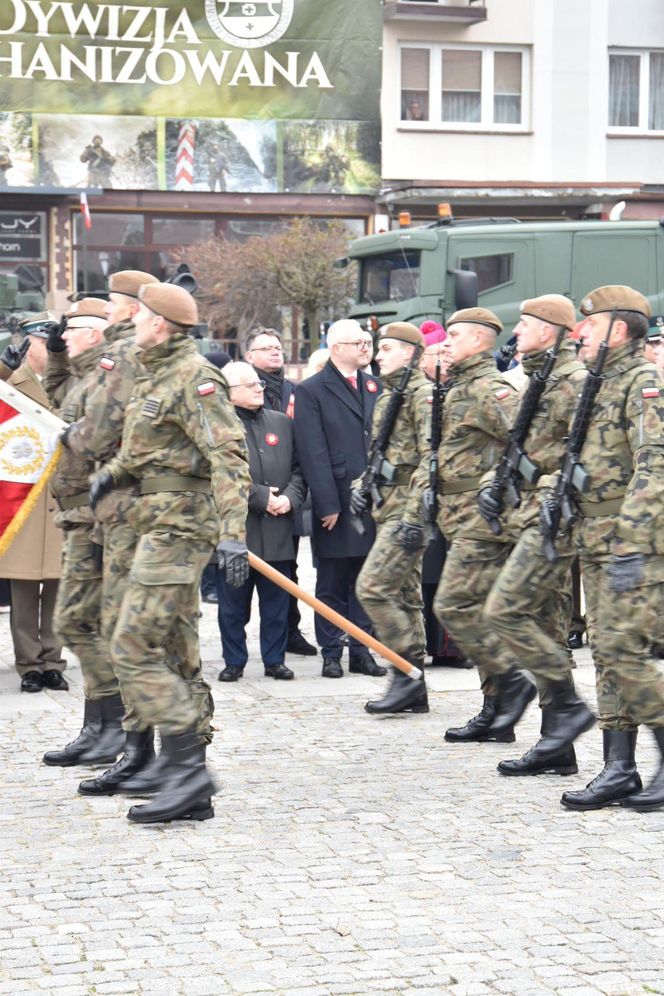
(620, 537)
(529, 605)
(185, 446)
(393, 598)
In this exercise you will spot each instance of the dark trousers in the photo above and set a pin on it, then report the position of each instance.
(294, 617)
(273, 612)
(36, 647)
(209, 580)
(335, 586)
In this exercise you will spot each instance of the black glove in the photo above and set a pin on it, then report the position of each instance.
(13, 355)
(360, 501)
(626, 572)
(98, 556)
(549, 514)
(65, 436)
(233, 557)
(490, 507)
(101, 485)
(410, 538)
(55, 343)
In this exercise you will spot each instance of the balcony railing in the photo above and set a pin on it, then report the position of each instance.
(468, 12)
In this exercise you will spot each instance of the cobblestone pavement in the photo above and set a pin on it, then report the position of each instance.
(348, 855)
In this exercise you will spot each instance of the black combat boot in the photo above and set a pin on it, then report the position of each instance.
(187, 788)
(652, 797)
(111, 739)
(478, 729)
(617, 779)
(403, 694)
(138, 752)
(149, 780)
(87, 738)
(514, 691)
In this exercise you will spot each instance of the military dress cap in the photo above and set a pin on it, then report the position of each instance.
(173, 303)
(402, 332)
(88, 307)
(656, 328)
(615, 297)
(34, 324)
(477, 316)
(129, 282)
(552, 308)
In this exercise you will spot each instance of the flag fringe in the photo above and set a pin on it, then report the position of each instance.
(28, 505)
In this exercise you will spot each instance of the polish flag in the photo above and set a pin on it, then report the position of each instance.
(29, 451)
(85, 211)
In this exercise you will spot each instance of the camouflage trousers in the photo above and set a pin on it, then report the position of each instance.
(390, 590)
(529, 608)
(621, 630)
(469, 574)
(77, 617)
(155, 647)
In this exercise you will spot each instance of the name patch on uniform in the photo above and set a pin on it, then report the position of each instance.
(272, 439)
(503, 393)
(107, 362)
(207, 388)
(372, 387)
(649, 392)
(151, 407)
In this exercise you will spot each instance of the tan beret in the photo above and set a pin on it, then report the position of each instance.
(173, 303)
(88, 307)
(552, 308)
(478, 316)
(402, 332)
(615, 296)
(129, 282)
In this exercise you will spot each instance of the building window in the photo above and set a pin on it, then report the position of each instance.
(636, 91)
(481, 89)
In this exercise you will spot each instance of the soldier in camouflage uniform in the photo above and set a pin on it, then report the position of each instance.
(393, 599)
(529, 605)
(73, 357)
(185, 446)
(477, 415)
(620, 537)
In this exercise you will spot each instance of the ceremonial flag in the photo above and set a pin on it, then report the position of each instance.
(29, 451)
(85, 211)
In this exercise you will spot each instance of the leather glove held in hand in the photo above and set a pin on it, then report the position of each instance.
(490, 507)
(360, 501)
(233, 558)
(410, 538)
(13, 355)
(626, 572)
(101, 485)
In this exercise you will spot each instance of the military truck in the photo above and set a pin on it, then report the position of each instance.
(19, 294)
(412, 274)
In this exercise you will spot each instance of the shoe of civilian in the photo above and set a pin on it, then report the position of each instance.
(298, 645)
(56, 681)
(575, 641)
(231, 673)
(365, 664)
(279, 671)
(32, 681)
(332, 668)
(210, 597)
(442, 660)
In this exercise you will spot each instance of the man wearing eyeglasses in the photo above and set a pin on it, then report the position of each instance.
(276, 493)
(333, 411)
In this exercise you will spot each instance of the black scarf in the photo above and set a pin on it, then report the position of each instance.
(274, 384)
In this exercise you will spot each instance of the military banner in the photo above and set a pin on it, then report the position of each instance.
(29, 451)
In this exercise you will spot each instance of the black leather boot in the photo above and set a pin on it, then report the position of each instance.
(138, 752)
(514, 691)
(89, 735)
(650, 798)
(187, 788)
(149, 780)
(111, 739)
(403, 694)
(617, 779)
(478, 729)
(542, 759)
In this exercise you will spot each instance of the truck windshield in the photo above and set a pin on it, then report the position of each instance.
(391, 277)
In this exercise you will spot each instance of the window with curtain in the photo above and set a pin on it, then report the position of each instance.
(415, 84)
(624, 90)
(656, 92)
(462, 85)
(507, 75)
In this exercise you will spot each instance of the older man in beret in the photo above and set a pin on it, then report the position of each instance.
(184, 445)
(393, 598)
(621, 544)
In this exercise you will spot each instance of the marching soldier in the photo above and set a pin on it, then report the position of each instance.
(393, 599)
(185, 446)
(620, 537)
(529, 604)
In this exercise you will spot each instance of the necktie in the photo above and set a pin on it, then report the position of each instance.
(352, 380)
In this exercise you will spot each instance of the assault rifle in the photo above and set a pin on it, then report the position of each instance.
(430, 496)
(515, 464)
(559, 512)
(379, 470)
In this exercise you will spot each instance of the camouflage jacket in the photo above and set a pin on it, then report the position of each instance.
(59, 378)
(73, 470)
(477, 415)
(624, 456)
(96, 435)
(408, 443)
(180, 422)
